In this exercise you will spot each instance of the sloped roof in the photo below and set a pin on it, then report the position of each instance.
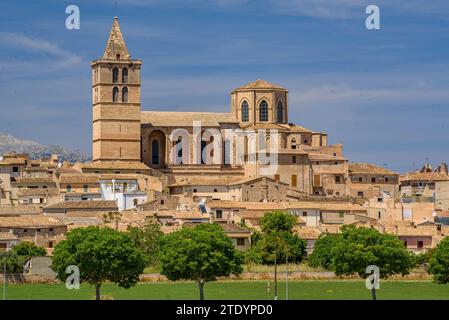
(94, 204)
(116, 44)
(19, 210)
(30, 221)
(260, 84)
(4, 236)
(424, 176)
(113, 165)
(78, 178)
(369, 168)
(186, 119)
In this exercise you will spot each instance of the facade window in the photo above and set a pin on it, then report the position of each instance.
(304, 213)
(86, 188)
(337, 179)
(219, 214)
(341, 214)
(155, 152)
(280, 112)
(15, 169)
(420, 244)
(293, 159)
(117, 56)
(420, 184)
(115, 75)
(125, 75)
(378, 214)
(115, 94)
(293, 143)
(240, 241)
(373, 180)
(135, 202)
(69, 188)
(386, 179)
(245, 111)
(215, 190)
(125, 94)
(294, 180)
(360, 194)
(263, 111)
(360, 179)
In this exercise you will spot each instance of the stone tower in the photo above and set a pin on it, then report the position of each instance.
(116, 102)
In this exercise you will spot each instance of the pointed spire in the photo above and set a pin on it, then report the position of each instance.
(116, 44)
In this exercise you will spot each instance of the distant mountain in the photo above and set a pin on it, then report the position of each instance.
(9, 143)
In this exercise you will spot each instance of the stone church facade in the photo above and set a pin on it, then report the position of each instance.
(122, 132)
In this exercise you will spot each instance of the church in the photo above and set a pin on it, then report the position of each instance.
(169, 142)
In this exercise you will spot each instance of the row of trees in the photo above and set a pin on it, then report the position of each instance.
(205, 253)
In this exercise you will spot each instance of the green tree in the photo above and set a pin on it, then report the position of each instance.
(322, 255)
(439, 262)
(277, 221)
(357, 248)
(202, 254)
(148, 239)
(101, 254)
(14, 262)
(28, 249)
(277, 240)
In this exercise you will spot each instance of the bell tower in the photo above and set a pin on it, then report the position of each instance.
(116, 102)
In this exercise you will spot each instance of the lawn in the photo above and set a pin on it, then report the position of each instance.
(343, 289)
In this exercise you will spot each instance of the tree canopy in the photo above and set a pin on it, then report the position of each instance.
(29, 249)
(101, 254)
(277, 240)
(357, 247)
(439, 262)
(148, 238)
(202, 253)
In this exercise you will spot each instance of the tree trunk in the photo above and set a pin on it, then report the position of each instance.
(97, 291)
(201, 287)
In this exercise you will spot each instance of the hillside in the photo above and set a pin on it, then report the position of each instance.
(9, 143)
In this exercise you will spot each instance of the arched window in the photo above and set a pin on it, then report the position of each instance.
(115, 94)
(125, 94)
(263, 111)
(115, 75)
(293, 143)
(155, 152)
(245, 112)
(179, 146)
(125, 75)
(280, 112)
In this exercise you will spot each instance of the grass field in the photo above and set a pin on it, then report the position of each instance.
(343, 289)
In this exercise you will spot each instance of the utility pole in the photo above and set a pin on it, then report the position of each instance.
(286, 276)
(275, 278)
(4, 279)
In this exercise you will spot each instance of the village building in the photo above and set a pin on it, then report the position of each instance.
(41, 230)
(421, 183)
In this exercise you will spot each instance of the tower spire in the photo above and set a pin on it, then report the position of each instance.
(116, 46)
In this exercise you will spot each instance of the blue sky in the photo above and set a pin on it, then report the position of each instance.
(382, 93)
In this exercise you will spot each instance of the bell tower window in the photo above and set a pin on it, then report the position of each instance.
(115, 75)
(245, 112)
(125, 75)
(115, 94)
(125, 94)
(263, 111)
